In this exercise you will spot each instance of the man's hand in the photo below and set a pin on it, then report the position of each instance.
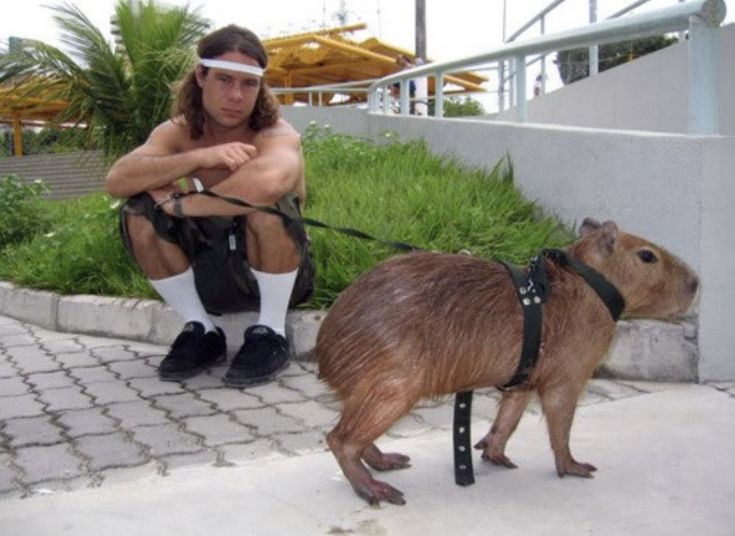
(164, 198)
(227, 155)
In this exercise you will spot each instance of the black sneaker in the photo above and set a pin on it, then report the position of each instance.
(261, 357)
(192, 352)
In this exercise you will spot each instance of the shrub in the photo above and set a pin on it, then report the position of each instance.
(22, 214)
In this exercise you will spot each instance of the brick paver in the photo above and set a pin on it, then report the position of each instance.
(111, 450)
(32, 431)
(86, 421)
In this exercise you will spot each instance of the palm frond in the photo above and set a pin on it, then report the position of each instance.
(119, 93)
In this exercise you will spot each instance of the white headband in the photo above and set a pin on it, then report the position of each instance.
(232, 66)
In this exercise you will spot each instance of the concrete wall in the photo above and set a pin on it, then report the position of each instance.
(674, 189)
(650, 93)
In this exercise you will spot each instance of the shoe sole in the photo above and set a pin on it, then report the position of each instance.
(187, 374)
(249, 382)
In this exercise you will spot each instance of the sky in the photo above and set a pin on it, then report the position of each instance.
(454, 28)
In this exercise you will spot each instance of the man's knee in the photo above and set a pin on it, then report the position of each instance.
(140, 231)
(265, 225)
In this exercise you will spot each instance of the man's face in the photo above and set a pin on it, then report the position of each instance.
(229, 96)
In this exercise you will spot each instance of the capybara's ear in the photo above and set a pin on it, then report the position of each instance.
(608, 237)
(589, 225)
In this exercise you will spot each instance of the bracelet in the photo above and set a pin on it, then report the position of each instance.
(183, 184)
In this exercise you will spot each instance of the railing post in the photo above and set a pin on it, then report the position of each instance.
(594, 49)
(386, 100)
(404, 97)
(703, 62)
(439, 95)
(520, 89)
(501, 86)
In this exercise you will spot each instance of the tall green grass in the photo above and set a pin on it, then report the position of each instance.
(393, 190)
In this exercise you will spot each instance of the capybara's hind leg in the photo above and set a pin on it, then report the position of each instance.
(365, 418)
(559, 404)
(512, 405)
(384, 461)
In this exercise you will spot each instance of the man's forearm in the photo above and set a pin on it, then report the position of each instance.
(137, 173)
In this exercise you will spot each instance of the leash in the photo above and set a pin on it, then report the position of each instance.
(288, 219)
(533, 289)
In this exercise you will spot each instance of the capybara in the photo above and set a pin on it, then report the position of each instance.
(430, 324)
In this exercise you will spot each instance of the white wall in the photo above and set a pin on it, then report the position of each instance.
(650, 93)
(673, 189)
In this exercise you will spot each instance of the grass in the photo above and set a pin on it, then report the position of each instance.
(394, 190)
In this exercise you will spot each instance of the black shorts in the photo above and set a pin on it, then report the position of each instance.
(215, 247)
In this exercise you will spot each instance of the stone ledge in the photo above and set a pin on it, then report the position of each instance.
(36, 307)
(642, 349)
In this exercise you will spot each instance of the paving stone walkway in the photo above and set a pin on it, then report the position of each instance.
(78, 411)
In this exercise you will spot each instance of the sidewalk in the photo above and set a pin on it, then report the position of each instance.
(91, 442)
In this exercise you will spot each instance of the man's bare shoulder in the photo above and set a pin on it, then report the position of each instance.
(281, 128)
(173, 133)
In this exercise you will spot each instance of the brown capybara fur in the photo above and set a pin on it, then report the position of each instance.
(429, 324)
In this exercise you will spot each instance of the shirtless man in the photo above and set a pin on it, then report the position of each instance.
(203, 254)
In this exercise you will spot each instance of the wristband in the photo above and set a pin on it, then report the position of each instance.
(183, 184)
(198, 186)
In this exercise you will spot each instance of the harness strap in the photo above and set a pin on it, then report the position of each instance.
(607, 292)
(531, 291)
(463, 472)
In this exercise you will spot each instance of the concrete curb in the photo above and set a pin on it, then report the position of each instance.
(642, 350)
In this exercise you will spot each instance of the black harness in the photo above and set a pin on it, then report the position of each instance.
(533, 288)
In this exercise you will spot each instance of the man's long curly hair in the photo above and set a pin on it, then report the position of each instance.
(188, 102)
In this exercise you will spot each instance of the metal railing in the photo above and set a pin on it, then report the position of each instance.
(345, 88)
(540, 18)
(700, 17)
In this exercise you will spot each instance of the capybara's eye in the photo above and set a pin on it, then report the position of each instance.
(647, 256)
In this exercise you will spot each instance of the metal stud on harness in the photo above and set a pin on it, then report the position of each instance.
(532, 288)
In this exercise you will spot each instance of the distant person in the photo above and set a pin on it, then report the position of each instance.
(538, 86)
(404, 64)
(204, 255)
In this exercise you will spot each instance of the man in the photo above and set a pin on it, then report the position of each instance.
(203, 254)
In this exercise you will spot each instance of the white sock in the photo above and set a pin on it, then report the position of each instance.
(275, 293)
(180, 292)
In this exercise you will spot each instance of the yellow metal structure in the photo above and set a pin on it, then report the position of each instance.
(315, 58)
(328, 56)
(17, 109)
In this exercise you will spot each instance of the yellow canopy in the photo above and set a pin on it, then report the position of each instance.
(328, 56)
(16, 109)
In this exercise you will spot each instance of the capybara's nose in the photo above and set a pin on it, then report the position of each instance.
(693, 284)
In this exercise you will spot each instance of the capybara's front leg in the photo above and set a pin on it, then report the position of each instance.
(509, 415)
(559, 404)
(384, 461)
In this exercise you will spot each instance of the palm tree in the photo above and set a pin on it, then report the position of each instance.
(116, 93)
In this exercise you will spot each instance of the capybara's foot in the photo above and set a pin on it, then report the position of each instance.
(374, 491)
(494, 455)
(385, 461)
(571, 467)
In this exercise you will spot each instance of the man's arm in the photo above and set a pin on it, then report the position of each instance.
(275, 172)
(157, 163)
